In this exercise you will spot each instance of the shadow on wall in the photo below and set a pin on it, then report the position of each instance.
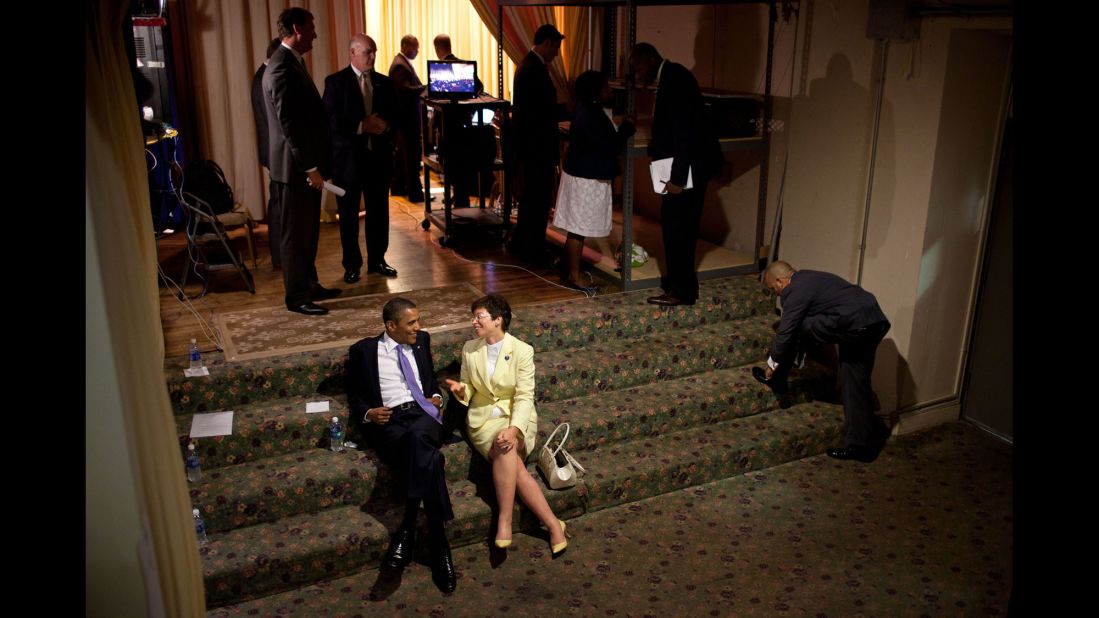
(826, 179)
(894, 386)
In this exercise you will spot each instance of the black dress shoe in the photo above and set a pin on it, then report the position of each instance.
(400, 549)
(383, 269)
(351, 276)
(667, 300)
(777, 382)
(309, 308)
(864, 454)
(442, 569)
(320, 293)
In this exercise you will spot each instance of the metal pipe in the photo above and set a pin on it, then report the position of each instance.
(873, 157)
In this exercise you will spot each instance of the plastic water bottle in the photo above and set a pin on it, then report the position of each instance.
(200, 528)
(194, 470)
(335, 435)
(196, 357)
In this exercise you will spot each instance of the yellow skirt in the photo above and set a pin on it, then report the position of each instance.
(483, 437)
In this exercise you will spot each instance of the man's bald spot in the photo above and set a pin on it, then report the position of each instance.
(777, 270)
(362, 41)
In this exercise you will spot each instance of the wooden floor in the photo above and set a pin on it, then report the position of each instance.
(419, 259)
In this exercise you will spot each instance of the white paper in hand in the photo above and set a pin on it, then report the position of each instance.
(661, 172)
(334, 189)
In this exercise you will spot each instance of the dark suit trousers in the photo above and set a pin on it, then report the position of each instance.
(409, 154)
(680, 216)
(534, 207)
(372, 185)
(300, 222)
(409, 444)
(274, 227)
(857, 350)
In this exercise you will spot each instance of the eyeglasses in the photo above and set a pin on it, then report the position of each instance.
(481, 316)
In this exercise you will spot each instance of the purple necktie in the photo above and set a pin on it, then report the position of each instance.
(414, 387)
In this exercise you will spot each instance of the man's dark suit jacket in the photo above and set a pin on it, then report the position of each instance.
(363, 390)
(343, 101)
(296, 123)
(259, 114)
(535, 112)
(408, 87)
(835, 305)
(681, 127)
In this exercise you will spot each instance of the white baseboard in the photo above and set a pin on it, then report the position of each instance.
(918, 420)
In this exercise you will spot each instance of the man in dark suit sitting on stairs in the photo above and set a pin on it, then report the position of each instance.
(820, 308)
(389, 381)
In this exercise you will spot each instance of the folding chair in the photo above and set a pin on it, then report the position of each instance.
(203, 229)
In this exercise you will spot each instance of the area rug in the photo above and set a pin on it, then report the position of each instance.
(271, 331)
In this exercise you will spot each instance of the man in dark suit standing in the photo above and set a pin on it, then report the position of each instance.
(361, 105)
(681, 130)
(389, 380)
(300, 153)
(821, 308)
(406, 172)
(535, 114)
(259, 114)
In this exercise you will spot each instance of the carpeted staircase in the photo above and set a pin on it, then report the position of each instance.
(658, 400)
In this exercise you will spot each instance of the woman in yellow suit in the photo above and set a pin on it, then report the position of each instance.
(497, 383)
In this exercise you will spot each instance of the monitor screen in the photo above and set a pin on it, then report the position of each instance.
(451, 79)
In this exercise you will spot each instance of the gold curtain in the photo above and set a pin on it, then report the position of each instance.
(117, 194)
(519, 26)
(388, 20)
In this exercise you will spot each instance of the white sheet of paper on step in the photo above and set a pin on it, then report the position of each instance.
(316, 406)
(212, 424)
(196, 372)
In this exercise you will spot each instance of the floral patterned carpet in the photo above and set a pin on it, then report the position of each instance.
(271, 331)
(926, 530)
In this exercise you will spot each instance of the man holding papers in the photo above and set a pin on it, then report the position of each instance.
(680, 133)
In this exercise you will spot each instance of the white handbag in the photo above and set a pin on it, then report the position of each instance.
(558, 467)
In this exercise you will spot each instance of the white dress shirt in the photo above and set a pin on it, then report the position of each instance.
(391, 381)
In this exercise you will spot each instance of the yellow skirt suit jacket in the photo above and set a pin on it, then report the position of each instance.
(510, 388)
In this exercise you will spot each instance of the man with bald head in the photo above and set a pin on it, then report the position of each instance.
(362, 105)
(821, 308)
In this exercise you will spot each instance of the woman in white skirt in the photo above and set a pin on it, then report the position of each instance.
(591, 163)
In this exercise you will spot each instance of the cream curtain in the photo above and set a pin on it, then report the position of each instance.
(520, 22)
(118, 200)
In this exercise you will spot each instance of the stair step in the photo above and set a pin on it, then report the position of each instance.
(629, 471)
(550, 326)
(657, 357)
(265, 429)
(315, 478)
(274, 557)
(672, 405)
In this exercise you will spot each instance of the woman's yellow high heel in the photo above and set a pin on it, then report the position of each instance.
(503, 543)
(563, 545)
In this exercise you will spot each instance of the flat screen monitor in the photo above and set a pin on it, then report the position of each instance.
(451, 79)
